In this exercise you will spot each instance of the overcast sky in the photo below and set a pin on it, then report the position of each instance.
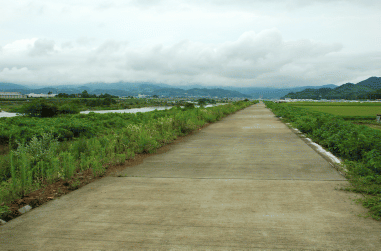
(272, 43)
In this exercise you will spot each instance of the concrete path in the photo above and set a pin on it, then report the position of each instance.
(245, 182)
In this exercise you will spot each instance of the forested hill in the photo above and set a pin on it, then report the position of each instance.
(127, 89)
(363, 90)
(5, 87)
(200, 92)
(123, 89)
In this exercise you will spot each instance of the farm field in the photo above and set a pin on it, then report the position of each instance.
(357, 113)
(347, 110)
(309, 103)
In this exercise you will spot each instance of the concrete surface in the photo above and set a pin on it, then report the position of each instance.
(245, 182)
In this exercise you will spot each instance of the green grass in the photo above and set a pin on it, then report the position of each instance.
(304, 103)
(347, 110)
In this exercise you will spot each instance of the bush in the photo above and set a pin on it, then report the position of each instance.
(39, 148)
(188, 106)
(68, 109)
(39, 108)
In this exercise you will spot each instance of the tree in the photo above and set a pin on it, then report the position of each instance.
(39, 108)
(108, 101)
(106, 95)
(201, 102)
(85, 94)
(62, 95)
(188, 106)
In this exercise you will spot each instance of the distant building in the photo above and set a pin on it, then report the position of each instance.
(141, 96)
(33, 95)
(12, 95)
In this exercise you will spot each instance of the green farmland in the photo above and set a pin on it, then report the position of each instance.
(347, 110)
(357, 113)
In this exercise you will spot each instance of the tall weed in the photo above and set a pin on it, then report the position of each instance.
(39, 148)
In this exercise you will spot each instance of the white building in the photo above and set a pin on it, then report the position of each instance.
(12, 95)
(41, 95)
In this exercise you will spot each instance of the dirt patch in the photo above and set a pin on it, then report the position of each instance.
(4, 149)
(49, 192)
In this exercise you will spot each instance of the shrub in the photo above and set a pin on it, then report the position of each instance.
(39, 148)
(39, 108)
(68, 109)
(373, 160)
(188, 106)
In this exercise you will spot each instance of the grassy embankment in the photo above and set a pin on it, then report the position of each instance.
(357, 145)
(56, 148)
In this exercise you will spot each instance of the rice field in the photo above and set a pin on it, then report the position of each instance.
(347, 110)
(356, 112)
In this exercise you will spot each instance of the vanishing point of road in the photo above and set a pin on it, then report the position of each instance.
(246, 182)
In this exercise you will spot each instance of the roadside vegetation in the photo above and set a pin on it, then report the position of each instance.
(44, 150)
(357, 145)
(82, 104)
(102, 102)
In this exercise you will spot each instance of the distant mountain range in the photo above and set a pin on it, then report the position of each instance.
(366, 89)
(146, 88)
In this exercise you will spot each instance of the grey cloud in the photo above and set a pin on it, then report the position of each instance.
(34, 8)
(42, 47)
(147, 2)
(253, 59)
(111, 46)
(67, 45)
(300, 3)
(84, 40)
(251, 55)
(105, 5)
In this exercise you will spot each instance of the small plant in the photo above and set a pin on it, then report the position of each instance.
(98, 169)
(39, 148)
(25, 164)
(68, 165)
(85, 162)
(120, 158)
(13, 174)
(53, 171)
(4, 210)
(75, 185)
